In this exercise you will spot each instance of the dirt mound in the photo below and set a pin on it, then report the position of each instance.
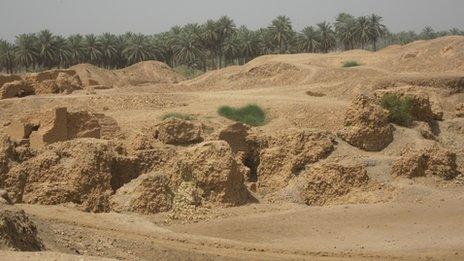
(60, 125)
(367, 125)
(254, 73)
(430, 161)
(323, 183)
(82, 171)
(5, 198)
(427, 130)
(149, 72)
(54, 81)
(422, 109)
(452, 82)
(287, 153)
(213, 169)
(178, 132)
(443, 54)
(18, 232)
(459, 110)
(14, 89)
(92, 75)
(11, 154)
(148, 194)
(9, 78)
(140, 73)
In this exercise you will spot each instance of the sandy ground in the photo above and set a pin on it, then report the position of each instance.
(422, 219)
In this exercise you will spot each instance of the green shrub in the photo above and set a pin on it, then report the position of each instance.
(351, 64)
(399, 108)
(251, 114)
(177, 115)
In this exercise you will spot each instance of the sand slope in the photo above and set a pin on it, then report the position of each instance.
(140, 73)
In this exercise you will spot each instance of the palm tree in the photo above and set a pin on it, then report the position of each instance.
(92, 49)
(406, 37)
(187, 49)
(137, 49)
(326, 36)
(225, 29)
(308, 40)
(377, 29)
(231, 48)
(249, 44)
(363, 31)
(62, 52)
(47, 48)
(282, 32)
(26, 52)
(345, 26)
(456, 31)
(210, 39)
(7, 51)
(428, 33)
(108, 46)
(163, 42)
(76, 49)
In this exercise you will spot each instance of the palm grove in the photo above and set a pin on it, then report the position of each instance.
(200, 47)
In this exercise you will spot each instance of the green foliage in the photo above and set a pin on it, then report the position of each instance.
(178, 115)
(351, 64)
(251, 114)
(399, 108)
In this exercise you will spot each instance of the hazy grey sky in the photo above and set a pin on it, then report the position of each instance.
(152, 16)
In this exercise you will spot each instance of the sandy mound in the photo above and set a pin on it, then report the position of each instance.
(246, 146)
(14, 89)
(92, 75)
(427, 130)
(441, 59)
(54, 81)
(459, 110)
(367, 125)
(431, 161)
(451, 82)
(255, 73)
(443, 54)
(214, 171)
(148, 194)
(18, 232)
(11, 154)
(149, 72)
(287, 154)
(82, 171)
(178, 132)
(60, 125)
(9, 78)
(324, 183)
(140, 73)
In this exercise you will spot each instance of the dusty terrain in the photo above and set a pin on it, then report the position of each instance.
(99, 174)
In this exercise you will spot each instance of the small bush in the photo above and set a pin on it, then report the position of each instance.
(251, 114)
(315, 94)
(351, 64)
(399, 108)
(177, 115)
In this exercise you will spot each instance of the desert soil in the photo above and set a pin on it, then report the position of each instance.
(406, 219)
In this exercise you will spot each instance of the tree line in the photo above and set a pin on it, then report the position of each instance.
(211, 45)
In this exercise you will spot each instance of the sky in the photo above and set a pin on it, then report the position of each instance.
(152, 16)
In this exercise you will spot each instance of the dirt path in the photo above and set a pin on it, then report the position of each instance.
(413, 231)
